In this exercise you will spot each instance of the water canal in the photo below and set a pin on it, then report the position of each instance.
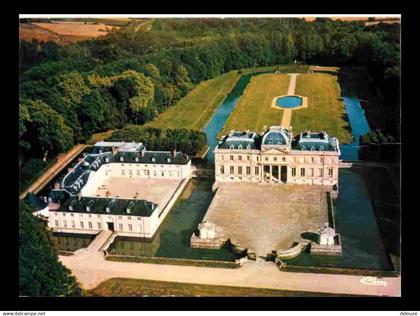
(216, 123)
(356, 223)
(359, 126)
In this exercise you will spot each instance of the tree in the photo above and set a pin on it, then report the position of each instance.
(47, 128)
(40, 272)
(96, 112)
(289, 49)
(182, 80)
(134, 90)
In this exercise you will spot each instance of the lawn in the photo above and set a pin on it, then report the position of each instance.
(325, 109)
(254, 110)
(195, 109)
(133, 287)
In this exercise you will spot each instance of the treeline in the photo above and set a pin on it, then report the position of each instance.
(40, 272)
(375, 146)
(188, 141)
(131, 76)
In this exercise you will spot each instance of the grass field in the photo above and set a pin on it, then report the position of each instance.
(133, 287)
(325, 109)
(254, 110)
(195, 109)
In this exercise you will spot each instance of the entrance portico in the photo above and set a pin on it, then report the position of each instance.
(274, 173)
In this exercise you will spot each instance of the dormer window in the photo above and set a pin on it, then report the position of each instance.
(240, 146)
(168, 159)
(137, 159)
(121, 158)
(153, 159)
(248, 146)
(108, 209)
(106, 159)
(70, 207)
(232, 146)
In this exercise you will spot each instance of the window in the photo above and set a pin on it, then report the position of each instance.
(119, 217)
(258, 158)
(64, 214)
(312, 172)
(330, 172)
(129, 218)
(162, 173)
(138, 172)
(321, 160)
(293, 172)
(90, 225)
(130, 227)
(312, 159)
(302, 172)
(256, 171)
(247, 158)
(240, 170)
(72, 214)
(80, 215)
(130, 172)
(65, 223)
(222, 157)
(321, 172)
(146, 172)
(266, 158)
(275, 158)
(231, 170)
(231, 157)
(154, 173)
(56, 223)
(283, 158)
(73, 224)
(248, 170)
(120, 226)
(239, 157)
(99, 225)
(81, 225)
(122, 172)
(222, 169)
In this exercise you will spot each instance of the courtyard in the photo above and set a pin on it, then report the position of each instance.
(265, 217)
(158, 191)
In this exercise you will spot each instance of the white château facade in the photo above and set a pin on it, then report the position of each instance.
(276, 157)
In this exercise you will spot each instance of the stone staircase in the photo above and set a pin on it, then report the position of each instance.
(97, 243)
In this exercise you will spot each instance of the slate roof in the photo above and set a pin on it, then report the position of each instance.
(310, 141)
(115, 206)
(276, 135)
(35, 201)
(240, 140)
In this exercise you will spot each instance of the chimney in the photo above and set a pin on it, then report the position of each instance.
(79, 196)
(114, 150)
(57, 185)
(174, 152)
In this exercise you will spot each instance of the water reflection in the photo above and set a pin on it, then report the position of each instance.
(172, 239)
(356, 222)
(71, 242)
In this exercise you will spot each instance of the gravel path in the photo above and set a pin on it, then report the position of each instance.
(91, 269)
